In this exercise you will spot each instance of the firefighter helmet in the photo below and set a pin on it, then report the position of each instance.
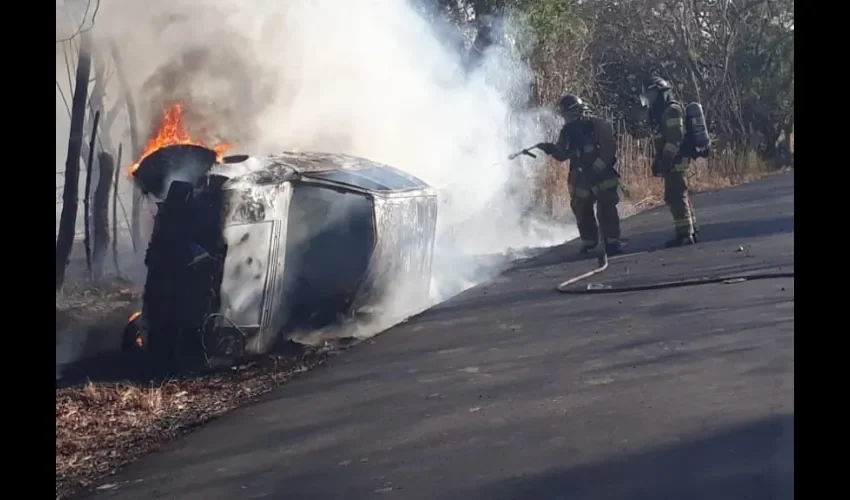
(656, 83)
(652, 88)
(571, 107)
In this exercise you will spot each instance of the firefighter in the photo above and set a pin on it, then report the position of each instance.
(666, 119)
(588, 142)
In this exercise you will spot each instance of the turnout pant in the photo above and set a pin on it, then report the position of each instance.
(677, 198)
(603, 194)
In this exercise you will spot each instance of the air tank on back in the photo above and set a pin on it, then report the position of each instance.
(696, 122)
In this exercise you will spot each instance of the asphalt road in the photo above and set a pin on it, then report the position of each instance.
(513, 391)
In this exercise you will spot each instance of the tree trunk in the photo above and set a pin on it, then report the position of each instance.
(788, 129)
(135, 147)
(117, 168)
(770, 141)
(100, 215)
(95, 102)
(87, 194)
(68, 219)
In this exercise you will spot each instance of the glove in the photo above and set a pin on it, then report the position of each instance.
(548, 148)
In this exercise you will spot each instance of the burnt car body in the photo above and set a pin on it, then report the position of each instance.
(247, 249)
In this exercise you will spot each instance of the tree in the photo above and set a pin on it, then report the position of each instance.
(100, 214)
(68, 220)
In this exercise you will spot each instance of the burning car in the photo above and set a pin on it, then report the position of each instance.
(245, 250)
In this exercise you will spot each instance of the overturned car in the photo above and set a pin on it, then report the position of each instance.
(247, 250)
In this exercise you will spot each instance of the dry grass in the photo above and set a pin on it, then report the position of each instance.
(640, 189)
(103, 426)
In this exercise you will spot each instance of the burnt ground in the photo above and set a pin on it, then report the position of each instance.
(511, 390)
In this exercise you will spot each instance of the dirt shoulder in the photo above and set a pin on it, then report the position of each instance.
(102, 426)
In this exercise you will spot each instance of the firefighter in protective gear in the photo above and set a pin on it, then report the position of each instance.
(588, 142)
(666, 119)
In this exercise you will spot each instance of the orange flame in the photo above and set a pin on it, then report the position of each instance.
(173, 131)
(138, 340)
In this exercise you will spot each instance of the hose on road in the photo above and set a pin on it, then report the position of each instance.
(603, 265)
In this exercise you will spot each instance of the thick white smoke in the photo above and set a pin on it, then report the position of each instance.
(370, 78)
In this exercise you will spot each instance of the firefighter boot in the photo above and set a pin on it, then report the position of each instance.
(614, 248)
(585, 249)
(680, 241)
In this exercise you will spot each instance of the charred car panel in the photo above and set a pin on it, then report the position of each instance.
(404, 225)
(251, 290)
(290, 242)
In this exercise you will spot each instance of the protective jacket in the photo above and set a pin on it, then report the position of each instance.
(668, 132)
(589, 145)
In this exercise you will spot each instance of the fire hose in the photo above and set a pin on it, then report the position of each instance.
(603, 265)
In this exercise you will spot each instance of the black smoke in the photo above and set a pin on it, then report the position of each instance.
(220, 85)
